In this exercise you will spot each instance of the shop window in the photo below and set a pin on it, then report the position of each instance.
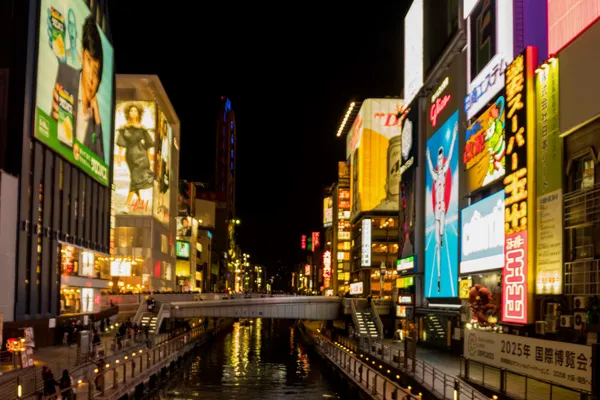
(87, 300)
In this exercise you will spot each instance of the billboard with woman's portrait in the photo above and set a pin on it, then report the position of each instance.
(74, 89)
(134, 157)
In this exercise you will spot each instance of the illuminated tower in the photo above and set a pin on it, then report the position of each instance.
(225, 174)
(226, 157)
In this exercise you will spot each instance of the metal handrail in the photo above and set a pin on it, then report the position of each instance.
(140, 313)
(427, 375)
(378, 322)
(165, 308)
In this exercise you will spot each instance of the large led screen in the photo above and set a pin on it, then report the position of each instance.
(374, 146)
(134, 157)
(441, 212)
(74, 92)
(485, 147)
(482, 235)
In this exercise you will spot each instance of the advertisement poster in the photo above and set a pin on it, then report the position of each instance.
(184, 226)
(549, 171)
(485, 147)
(133, 180)
(374, 146)
(365, 260)
(482, 235)
(441, 212)
(489, 51)
(162, 170)
(564, 363)
(410, 127)
(327, 211)
(186, 198)
(74, 91)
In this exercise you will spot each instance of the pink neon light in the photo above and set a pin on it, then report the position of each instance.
(569, 18)
(514, 279)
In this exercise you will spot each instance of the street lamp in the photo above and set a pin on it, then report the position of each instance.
(237, 222)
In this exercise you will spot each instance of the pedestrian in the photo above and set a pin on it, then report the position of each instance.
(102, 326)
(65, 385)
(96, 341)
(49, 382)
(369, 300)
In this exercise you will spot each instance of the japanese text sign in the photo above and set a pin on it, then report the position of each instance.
(519, 132)
(563, 363)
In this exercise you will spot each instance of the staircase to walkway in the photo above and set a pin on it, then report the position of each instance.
(366, 320)
(149, 319)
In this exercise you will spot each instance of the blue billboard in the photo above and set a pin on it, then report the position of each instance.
(441, 212)
(482, 235)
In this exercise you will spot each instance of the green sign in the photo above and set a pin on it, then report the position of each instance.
(549, 146)
(74, 92)
(182, 249)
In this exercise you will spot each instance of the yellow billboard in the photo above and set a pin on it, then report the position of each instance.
(373, 146)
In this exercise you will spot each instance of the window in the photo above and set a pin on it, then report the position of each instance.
(164, 244)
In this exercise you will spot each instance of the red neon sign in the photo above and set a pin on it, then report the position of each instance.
(437, 107)
(303, 242)
(514, 279)
(316, 240)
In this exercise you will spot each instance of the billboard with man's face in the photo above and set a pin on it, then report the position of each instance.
(74, 92)
(374, 148)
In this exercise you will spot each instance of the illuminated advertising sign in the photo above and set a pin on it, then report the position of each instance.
(326, 268)
(374, 147)
(447, 95)
(564, 363)
(520, 140)
(441, 215)
(405, 264)
(482, 235)
(134, 156)
(162, 170)
(306, 269)
(356, 288)
(74, 92)
(303, 242)
(182, 249)
(549, 173)
(490, 49)
(316, 240)
(365, 260)
(343, 174)
(567, 19)
(343, 204)
(410, 134)
(120, 267)
(413, 50)
(327, 211)
(405, 299)
(485, 147)
(184, 226)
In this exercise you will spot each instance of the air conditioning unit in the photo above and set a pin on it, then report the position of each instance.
(580, 302)
(566, 321)
(579, 320)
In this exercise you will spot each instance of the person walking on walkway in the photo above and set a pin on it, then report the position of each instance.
(49, 382)
(65, 385)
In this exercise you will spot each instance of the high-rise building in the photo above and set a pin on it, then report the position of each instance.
(225, 173)
(226, 157)
(145, 183)
(63, 160)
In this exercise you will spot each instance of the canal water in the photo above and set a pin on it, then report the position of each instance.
(262, 360)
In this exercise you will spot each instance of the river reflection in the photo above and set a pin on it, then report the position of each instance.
(259, 360)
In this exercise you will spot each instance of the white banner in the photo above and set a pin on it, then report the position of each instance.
(549, 243)
(563, 363)
(366, 243)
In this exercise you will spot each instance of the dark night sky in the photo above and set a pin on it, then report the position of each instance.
(290, 74)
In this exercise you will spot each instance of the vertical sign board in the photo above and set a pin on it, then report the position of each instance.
(410, 135)
(549, 172)
(517, 274)
(366, 243)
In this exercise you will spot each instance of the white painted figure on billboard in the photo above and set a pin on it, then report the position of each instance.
(438, 176)
(136, 142)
